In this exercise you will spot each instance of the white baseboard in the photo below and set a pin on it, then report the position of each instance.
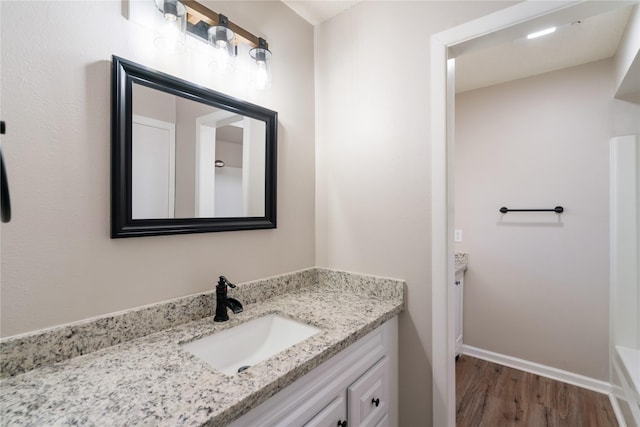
(538, 369)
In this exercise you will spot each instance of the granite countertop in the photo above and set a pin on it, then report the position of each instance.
(151, 381)
(462, 259)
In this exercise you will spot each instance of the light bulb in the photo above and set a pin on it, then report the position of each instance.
(541, 33)
(220, 36)
(262, 75)
(222, 60)
(170, 26)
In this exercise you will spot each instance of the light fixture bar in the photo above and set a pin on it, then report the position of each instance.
(541, 33)
(197, 12)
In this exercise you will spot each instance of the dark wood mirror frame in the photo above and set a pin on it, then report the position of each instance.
(124, 74)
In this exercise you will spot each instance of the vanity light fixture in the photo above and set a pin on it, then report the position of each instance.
(541, 33)
(224, 37)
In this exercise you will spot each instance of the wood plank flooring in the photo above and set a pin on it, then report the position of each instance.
(492, 395)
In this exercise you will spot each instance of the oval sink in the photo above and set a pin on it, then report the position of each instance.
(249, 343)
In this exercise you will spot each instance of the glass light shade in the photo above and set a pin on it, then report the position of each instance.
(170, 25)
(261, 68)
(220, 38)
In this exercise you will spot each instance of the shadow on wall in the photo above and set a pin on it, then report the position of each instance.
(99, 123)
(547, 222)
(415, 391)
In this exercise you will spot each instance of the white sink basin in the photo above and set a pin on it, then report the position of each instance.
(250, 342)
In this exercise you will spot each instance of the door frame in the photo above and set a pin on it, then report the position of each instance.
(506, 24)
(205, 149)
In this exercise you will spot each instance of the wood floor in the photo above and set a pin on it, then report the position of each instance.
(495, 396)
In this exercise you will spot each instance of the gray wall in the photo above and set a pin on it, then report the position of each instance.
(537, 287)
(187, 112)
(58, 263)
(373, 180)
(153, 104)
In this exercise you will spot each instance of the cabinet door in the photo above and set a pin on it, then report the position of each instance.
(384, 422)
(459, 310)
(333, 415)
(368, 397)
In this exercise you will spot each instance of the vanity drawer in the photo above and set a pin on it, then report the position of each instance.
(384, 422)
(368, 397)
(332, 415)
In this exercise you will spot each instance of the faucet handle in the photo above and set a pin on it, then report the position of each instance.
(224, 281)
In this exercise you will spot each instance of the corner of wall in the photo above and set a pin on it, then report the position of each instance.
(627, 61)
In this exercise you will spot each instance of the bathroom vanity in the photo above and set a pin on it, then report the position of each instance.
(357, 387)
(346, 372)
(460, 266)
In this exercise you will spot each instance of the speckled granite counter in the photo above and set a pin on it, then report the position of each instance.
(151, 381)
(462, 260)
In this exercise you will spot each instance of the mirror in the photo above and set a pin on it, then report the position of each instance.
(187, 159)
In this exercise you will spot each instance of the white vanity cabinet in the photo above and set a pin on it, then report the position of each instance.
(334, 414)
(357, 387)
(365, 402)
(368, 397)
(459, 292)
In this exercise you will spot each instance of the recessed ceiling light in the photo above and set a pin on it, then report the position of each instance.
(541, 33)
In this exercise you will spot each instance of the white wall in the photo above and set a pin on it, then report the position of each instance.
(187, 112)
(153, 104)
(537, 286)
(625, 238)
(230, 153)
(228, 180)
(373, 161)
(627, 61)
(58, 262)
(253, 167)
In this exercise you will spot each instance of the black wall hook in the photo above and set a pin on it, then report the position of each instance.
(5, 199)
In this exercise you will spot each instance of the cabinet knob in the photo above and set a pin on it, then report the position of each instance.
(457, 282)
(342, 423)
(375, 402)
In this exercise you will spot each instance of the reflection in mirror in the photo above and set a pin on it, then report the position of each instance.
(187, 159)
(181, 180)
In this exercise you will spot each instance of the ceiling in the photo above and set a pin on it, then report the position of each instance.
(317, 11)
(591, 39)
(230, 133)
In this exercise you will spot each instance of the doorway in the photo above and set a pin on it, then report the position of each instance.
(503, 25)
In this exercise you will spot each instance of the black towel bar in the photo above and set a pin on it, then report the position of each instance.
(557, 209)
